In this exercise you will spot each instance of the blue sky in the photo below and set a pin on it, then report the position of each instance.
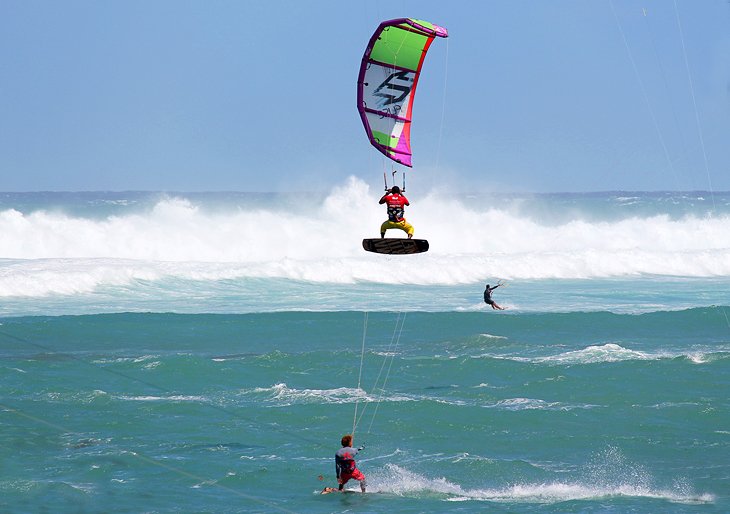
(526, 96)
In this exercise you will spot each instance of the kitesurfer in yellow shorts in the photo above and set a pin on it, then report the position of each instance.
(396, 209)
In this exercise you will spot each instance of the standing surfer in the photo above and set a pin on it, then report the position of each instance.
(345, 465)
(488, 296)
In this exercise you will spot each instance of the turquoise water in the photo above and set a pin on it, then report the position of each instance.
(165, 353)
(576, 412)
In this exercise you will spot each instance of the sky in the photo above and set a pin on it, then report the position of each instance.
(524, 95)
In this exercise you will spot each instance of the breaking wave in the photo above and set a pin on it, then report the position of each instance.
(185, 244)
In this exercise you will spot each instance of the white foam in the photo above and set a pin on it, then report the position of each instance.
(698, 358)
(608, 481)
(283, 395)
(612, 352)
(518, 404)
(171, 398)
(609, 352)
(526, 404)
(109, 360)
(490, 336)
(55, 253)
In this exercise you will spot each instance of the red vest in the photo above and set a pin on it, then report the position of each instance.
(396, 206)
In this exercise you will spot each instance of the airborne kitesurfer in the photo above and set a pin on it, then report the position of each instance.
(396, 210)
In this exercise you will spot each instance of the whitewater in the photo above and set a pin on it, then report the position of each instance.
(119, 247)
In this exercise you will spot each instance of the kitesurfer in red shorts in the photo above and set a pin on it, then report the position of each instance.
(345, 464)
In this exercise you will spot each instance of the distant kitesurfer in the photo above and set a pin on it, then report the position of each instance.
(345, 464)
(488, 297)
(396, 210)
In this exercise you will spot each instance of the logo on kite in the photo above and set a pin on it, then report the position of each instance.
(389, 84)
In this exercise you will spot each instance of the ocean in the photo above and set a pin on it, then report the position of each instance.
(205, 352)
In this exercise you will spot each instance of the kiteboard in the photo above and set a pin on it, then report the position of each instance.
(395, 246)
(328, 490)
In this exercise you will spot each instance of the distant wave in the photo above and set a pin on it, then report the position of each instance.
(171, 398)
(49, 252)
(273, 254)
(490, 336)
(611, 352)
(282, 395)
(518, 404)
